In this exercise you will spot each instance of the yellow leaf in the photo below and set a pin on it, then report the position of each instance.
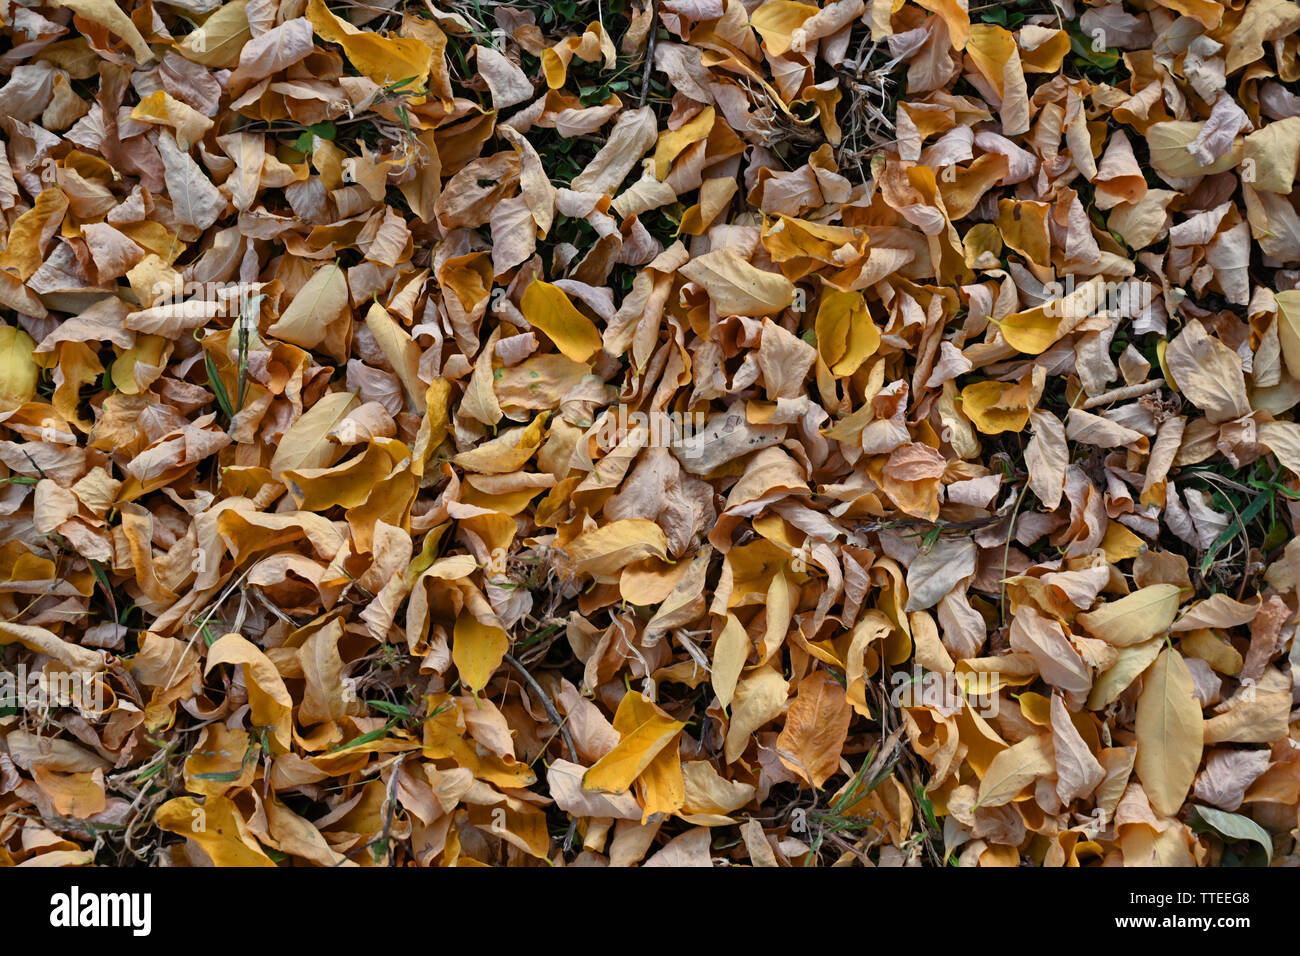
(547, 308)
(477, 650)
(505, 453)
(1215, 651)
(221, 38)
(1274, 150)
(1132, 661)
(846, 336)
(1046, 57)
(715, 195)
(1209, 13)
(1014, 769)
(1168, 144)
(776, 22)
(737, 287)
(608, 549)
(268, 698)
(989, 46)
(319, 314)
(386, 60)
(304, 445)
(18, 370)
(673, 142)
(955, 16)
(1031, 332)
(779, 611)
(348, 484)
(646, 731)
(1119, 543)
(995, 407)
(816, 726)
(1170, 733)
(220, 763)
(44, 641)
(593, 44)
(139, 366)
(759, 698)
(107, 14)
(216, 826)
(299, 837)
(661, 786)
(435, 424)
(1135, 617)
(730, 652)
(160, 108)
(1283, 440)
(325, 695)
(25, 250)
(1288, 328)
(73, 794)
(401, 351)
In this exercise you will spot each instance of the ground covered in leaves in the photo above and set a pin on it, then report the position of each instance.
(696, 432)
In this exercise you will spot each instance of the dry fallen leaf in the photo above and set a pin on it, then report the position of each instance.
(1169, 732)
(607, 434)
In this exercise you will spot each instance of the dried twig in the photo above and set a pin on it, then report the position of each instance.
(551, 712)
(651, 39)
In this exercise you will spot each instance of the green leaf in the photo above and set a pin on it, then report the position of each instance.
(1081, 44)
(1235, 527)
(218, 387)
(368, 737)
(1233, 827)
(391, 709)
(221, 776)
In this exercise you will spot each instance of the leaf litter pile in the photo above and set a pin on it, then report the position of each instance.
(705, 432)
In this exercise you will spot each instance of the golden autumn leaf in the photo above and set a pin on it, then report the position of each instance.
(995, 407)
(268, 697)
(736, 287)
(645, 732)
(782, 433)
(546, 307)
(815, 727)
(477, 650)
(846, 336)
(110, 16)
(760, 697)
(216, 826)
(1135, 617)
(19, 372)
(610, 548)
(1170, 732)
(386, 60)
(1013, 769)
(1288, 328)
(305, 444)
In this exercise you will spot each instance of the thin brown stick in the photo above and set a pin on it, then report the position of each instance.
(651, 39)
(547, 705)
(540, 693)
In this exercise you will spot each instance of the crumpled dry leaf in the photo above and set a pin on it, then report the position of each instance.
(703, 401)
